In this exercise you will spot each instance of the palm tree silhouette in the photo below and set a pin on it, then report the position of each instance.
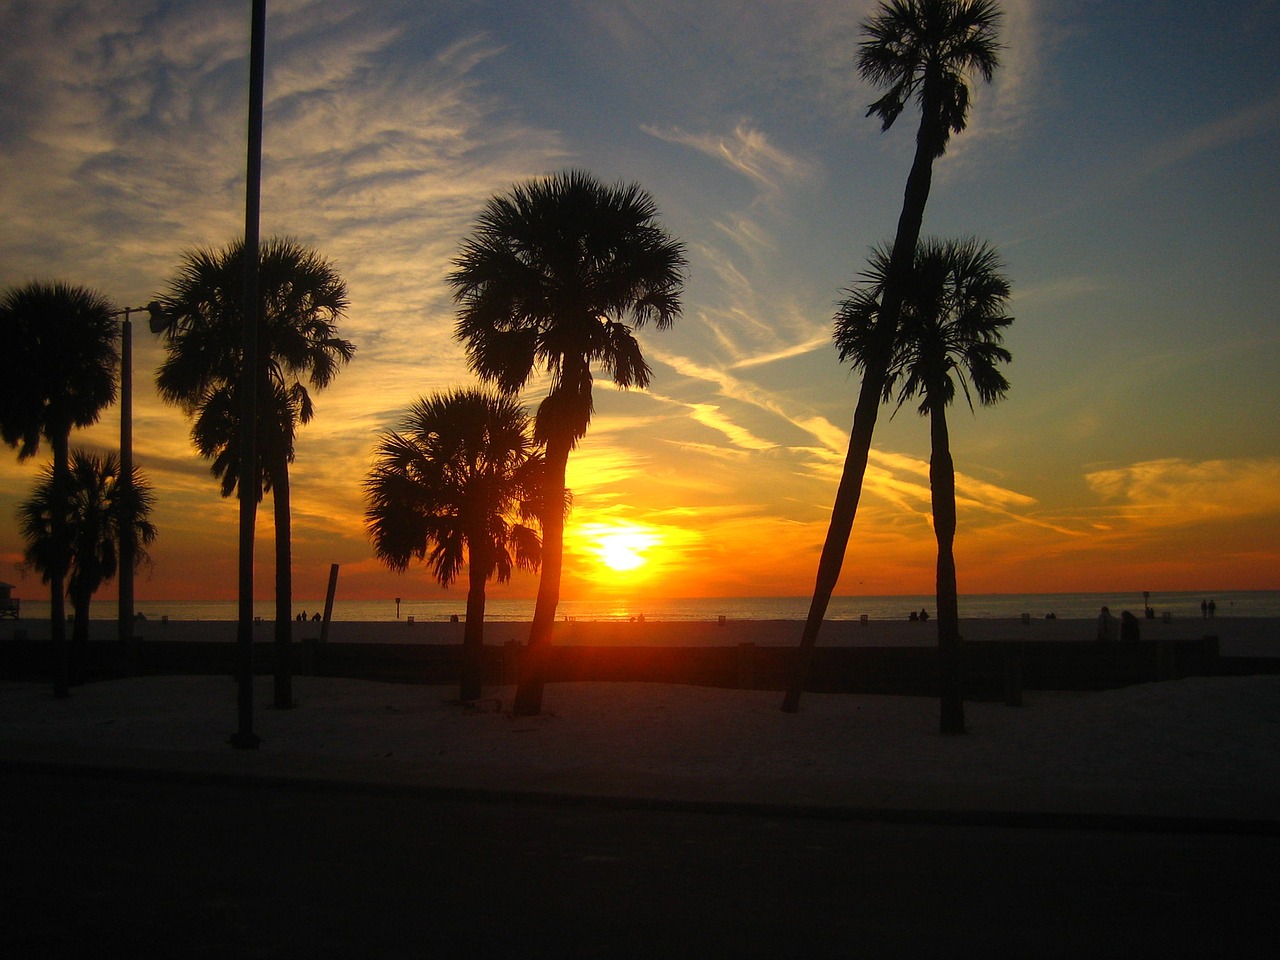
(459, 477)
(950, 330)
(302, 299)
(545, 283)
(921, 50)
(98, 511)
(58, 372)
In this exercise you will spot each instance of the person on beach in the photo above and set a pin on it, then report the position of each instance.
(924, 614)
(1106, 625)
(1204, 609)
(1212, 608)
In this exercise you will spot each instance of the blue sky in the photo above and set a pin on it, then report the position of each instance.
(1123, 161)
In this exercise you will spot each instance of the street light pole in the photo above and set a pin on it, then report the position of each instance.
(124, 620)
(158, 321)
(244, 738)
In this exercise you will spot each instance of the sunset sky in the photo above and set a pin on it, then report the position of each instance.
(1125, 163)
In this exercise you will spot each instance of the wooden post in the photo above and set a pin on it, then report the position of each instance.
(328, 602)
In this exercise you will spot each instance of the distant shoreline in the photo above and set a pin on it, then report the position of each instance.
(1180, 606)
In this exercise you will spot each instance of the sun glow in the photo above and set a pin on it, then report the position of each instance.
(622, 549)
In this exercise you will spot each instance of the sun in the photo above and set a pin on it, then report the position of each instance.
(618, 547)
(624, 550)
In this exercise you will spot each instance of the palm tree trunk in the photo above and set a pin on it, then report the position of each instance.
(283, 698)
(61, 443)
(942, 483)
(471, 683)
(528, 698)
(849, 492)
(842, 515)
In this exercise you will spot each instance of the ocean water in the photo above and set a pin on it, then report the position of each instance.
(1239, 603)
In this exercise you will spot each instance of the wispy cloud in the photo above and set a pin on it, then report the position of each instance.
(710, 415)
(746, 151)
(1243, 124)
(130, 150)
(1179, 492)
(784, 353)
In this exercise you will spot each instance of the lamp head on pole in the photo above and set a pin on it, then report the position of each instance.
(159, 320)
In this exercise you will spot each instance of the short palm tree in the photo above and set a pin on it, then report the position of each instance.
(57, 373)
(554, 278)
(459, 478)
(98, 511)
(303, 298)
(923, 51)
(951, 328)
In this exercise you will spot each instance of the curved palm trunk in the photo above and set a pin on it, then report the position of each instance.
(942, 483)
(58, 573)
(533, 672)
(849, 492)
(283, 698)
(472, 670)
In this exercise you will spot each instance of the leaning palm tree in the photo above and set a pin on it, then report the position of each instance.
(951, 327)
(546, 282)
(302, 299)
(57, 372)
(459, 476)
(926, 51)
(98, 512)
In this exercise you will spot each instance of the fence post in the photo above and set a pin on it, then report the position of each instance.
(328, 602)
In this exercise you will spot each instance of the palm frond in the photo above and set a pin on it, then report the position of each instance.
(58, 369)
(551, 271)
(926, 51)
(447, 482)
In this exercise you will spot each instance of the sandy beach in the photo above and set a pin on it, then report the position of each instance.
(1205, 748)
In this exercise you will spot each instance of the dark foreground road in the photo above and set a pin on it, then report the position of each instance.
(103, 866)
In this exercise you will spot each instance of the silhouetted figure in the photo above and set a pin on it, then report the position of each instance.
(913, 616)
(316, 618)
(1212, 609)
(1204, 609)
(1128, 626)
(924, 614)
(1106, 625)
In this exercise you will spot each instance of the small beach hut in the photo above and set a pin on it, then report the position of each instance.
(8, 602)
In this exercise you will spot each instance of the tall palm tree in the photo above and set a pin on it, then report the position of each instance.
(98, 512)
(57, 372)
(459, 477)
(546, 282)
(926, 51)
(302, 299)
(950, 331)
